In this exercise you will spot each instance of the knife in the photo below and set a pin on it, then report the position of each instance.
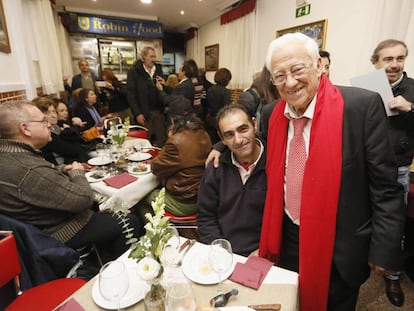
(190, 244)
(267, 307)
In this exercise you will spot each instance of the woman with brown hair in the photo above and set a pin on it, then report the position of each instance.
(65, 146)
(114, 95)
(180, 163)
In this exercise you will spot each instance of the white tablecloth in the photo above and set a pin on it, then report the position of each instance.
(133, 192)
(279, 286)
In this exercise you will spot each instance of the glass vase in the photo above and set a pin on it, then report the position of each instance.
(154, 299)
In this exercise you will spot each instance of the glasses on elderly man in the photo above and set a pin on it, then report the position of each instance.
(297, 72)
(44, 121)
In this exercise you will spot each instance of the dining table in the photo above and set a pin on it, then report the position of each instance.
(280, 286)
(132, 193)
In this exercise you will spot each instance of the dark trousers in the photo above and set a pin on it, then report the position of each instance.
(157, 133)
(106, 233)
(341, 296)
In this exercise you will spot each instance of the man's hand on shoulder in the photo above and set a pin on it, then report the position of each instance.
(214, 155)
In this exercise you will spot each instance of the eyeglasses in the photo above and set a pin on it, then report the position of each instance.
(390, 59)
(296, 73)
(44, 121)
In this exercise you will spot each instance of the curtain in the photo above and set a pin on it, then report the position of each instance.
(238, 53)
(63, 39)
(47, 46)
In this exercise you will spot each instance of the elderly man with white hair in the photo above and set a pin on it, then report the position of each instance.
(333, 206)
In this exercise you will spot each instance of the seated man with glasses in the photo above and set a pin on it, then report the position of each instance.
(55, 199)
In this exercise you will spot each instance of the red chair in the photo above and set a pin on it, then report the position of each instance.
(138, 131)
(46, 296)
(186, 225)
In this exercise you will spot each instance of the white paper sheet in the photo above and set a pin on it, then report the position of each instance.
(377, 81)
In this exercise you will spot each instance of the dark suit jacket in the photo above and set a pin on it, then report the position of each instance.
(141, 92)
(77, 82)
(370, 217)
(42, 258)
(185, 88)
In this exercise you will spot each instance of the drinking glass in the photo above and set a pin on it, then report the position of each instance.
(101, 150)
(170, 254)
(115, 154)
(180, 296)
(113, 282)
(220, 259)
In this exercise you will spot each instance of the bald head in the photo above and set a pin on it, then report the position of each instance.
(24, 122)
(12, 113)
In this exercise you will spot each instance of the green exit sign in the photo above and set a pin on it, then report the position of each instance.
(303, 10)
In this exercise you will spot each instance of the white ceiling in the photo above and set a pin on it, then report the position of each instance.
(196, 12)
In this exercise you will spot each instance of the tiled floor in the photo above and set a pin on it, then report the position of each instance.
(372, 295)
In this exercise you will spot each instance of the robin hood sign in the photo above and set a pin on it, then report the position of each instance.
(114, 27)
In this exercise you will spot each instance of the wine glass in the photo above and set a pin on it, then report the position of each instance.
(170, 254)
(113, 282)
(220, 259)
(115, 154)
(101, 150)
(180, 296)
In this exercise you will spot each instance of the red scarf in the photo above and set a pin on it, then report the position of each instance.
(320, 192)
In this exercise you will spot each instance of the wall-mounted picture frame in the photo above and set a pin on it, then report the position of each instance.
(316, 30)
(212, 57)
(4, 37)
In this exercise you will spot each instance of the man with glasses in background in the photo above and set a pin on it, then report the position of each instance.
(333, 206)
(390, 55)
(55, 199)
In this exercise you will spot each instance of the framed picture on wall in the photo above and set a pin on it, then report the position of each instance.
(212, 57)
(315, 30)
(4, 37)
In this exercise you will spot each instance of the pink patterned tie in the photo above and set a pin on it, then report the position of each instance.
(295, 168)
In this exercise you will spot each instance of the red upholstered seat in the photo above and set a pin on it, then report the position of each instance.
(181, 219)
(138, 131)
(46, 296)
(186, 225)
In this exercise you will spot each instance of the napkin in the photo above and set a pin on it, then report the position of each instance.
(120, 180)
(71, 305)
(252, 273)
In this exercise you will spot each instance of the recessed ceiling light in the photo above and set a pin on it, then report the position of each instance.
(182, 12)
(146, 1)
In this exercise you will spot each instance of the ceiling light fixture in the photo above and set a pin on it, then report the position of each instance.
(182, 12)
(146, 1)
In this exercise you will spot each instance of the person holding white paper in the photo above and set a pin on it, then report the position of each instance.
(390, 55)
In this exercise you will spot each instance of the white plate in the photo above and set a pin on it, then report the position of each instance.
(136, 291)
(99, 161)
(196, 268)
(90, 178)
(139, 156)
(133, 172)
